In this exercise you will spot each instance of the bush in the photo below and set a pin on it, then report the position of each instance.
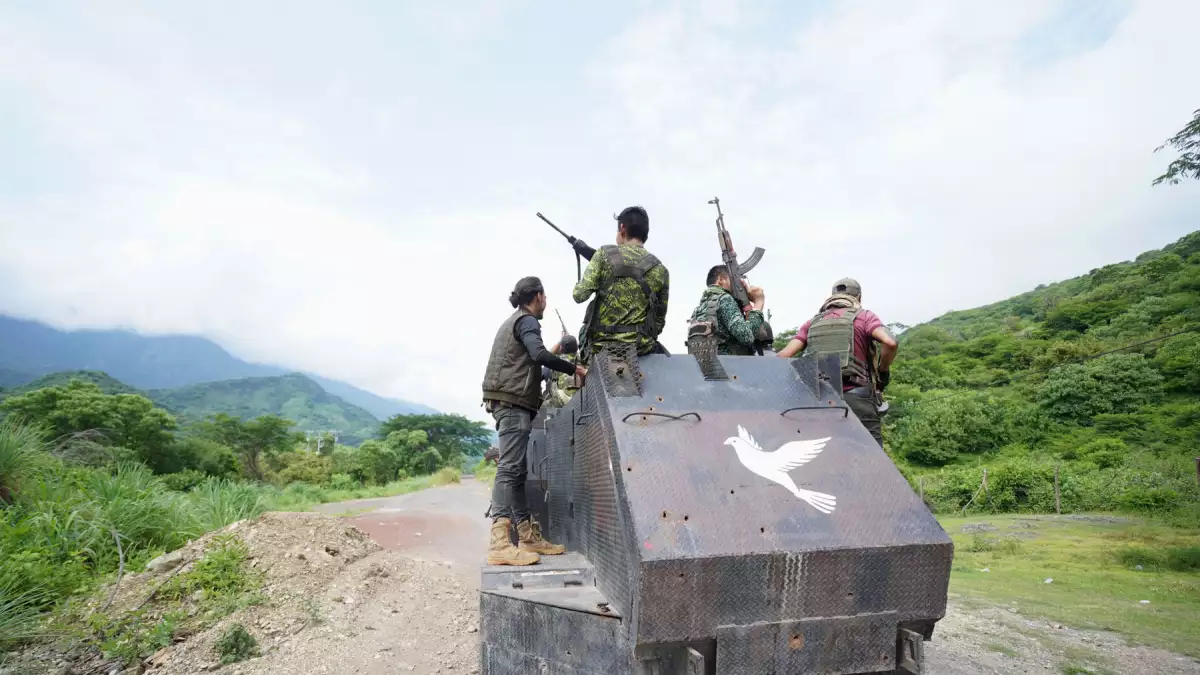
(446, 476)
(184, 480)
(304, 467)
(342, 481)
(236, 644)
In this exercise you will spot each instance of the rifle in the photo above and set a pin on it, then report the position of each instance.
(737, 272)
(582, 250)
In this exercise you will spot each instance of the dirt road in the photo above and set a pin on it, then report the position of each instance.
(445, 527)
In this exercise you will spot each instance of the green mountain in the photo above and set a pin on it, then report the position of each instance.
(293, 396)
(1096, 377)
(29, 349)
(107, 384)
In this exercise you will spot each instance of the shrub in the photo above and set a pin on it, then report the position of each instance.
(236, 644)
(304, 467)
(184, 480)
(342, 481)
(446, 476)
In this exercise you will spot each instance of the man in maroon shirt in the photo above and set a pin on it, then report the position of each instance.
(834, 329)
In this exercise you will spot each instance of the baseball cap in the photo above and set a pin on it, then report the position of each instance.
(847, 286)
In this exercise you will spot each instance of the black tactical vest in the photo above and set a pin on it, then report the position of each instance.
(620, 269)
(512, 375)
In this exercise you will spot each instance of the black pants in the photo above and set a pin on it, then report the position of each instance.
(866, 412)
(508, 490)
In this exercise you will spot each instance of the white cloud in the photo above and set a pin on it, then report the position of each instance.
(340, 211)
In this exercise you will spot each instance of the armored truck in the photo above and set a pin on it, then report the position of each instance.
(723, 515)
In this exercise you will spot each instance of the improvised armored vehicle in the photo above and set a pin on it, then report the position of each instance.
(723, 515)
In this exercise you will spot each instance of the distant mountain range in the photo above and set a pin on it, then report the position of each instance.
(29, 350)
(293, 396)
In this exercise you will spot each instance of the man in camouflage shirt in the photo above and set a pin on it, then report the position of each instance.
(734, 327)
(631, 287)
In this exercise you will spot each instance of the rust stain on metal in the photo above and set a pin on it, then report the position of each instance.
(797, 641)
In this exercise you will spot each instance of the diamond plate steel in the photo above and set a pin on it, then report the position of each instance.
(687, 540)
(855, 644)
(600, 530)
(520, 638)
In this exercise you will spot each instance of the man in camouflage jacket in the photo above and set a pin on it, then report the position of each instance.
(734, 327)
(630, 286)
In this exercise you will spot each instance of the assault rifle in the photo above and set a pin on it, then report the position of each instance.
(737, 273)
(582, 250)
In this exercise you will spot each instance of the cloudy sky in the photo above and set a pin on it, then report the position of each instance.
(350, 188)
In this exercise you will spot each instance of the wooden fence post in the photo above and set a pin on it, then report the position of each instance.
(1057, 502)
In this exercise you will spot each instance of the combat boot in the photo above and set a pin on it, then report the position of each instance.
(502, 552)
(530, 534)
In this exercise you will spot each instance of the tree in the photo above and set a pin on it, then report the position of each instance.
(1187, 142)
(1118, 383)
(119, 420)
(450, 434)
(253, 440)
(1179, 360)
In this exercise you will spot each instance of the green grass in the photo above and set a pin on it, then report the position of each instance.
(1094, 585)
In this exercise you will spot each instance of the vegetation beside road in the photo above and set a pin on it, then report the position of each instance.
(1100, 569)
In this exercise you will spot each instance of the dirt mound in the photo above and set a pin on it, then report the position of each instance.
(321, 587)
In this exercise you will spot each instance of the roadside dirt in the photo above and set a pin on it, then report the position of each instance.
(392, 587)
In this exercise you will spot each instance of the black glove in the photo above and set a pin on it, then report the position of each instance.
(568, 345)
(885, 377)
(583, 249)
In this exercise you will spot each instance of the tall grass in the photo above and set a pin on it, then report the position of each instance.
(20, 612)
(218, 502)
(21, 450)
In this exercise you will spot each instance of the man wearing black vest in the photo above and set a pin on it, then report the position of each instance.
(512, 394)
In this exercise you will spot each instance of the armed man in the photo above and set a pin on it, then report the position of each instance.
(512, 395)
(860, 339)
(630, 285)
(735, 328)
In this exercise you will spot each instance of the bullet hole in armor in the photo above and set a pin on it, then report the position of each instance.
(735, 377)
(660, 399)
(629, 468)
(850, 595)
(685, 518)
(664, 514)
(763, 530)
(797, 641)
(731, 492)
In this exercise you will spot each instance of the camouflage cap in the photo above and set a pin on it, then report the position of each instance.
(847, 286)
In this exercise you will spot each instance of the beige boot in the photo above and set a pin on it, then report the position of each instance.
(530, 534)
(502, 552)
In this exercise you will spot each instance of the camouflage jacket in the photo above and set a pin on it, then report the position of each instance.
(735, 333)
(625, 303)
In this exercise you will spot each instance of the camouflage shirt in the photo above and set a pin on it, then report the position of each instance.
(625, 304)
(735, 333)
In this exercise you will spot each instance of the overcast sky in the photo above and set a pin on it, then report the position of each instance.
(350, 188)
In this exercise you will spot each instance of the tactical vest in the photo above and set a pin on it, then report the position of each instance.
(836, 334)
(622, 270)
(512, 375)
(706, 314)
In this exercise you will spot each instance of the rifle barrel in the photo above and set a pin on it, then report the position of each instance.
(547, 221)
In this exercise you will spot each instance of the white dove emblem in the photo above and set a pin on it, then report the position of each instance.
(775, 466)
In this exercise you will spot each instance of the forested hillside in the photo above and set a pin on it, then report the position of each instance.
(1097, 376)
(294, 397)
(29, 350)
